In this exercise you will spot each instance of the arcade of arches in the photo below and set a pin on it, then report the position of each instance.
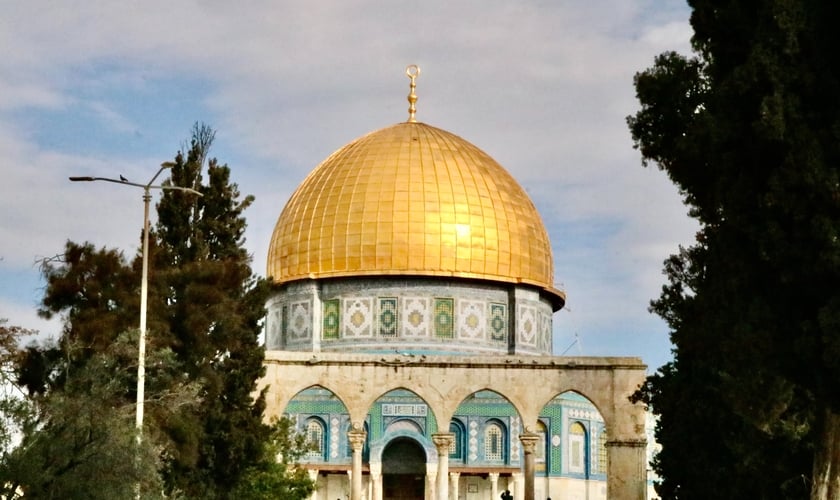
(376, 423)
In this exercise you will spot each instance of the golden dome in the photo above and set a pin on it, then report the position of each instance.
(412, 199)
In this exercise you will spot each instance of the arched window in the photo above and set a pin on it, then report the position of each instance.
(494, 449)
(456, 448)
(577, 448)
(315, 438)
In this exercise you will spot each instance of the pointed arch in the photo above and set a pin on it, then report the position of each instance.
(573, 423)
(496, 423)
(320, 415)
(400, 413)
(315, 396)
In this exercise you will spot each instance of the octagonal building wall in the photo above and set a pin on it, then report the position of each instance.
(418, 315)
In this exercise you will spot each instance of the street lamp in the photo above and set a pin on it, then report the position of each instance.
(144, 283)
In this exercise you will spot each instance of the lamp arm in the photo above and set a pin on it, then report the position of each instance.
(107, 179)
(176, 188)
(128, 183)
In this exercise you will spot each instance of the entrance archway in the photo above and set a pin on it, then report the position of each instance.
(403, 470)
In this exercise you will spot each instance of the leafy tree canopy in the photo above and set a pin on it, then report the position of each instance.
(205, 310)
(748, 129)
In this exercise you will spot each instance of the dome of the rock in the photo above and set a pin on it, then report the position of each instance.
(412, 200)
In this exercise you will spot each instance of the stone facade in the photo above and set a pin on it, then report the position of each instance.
(584, 440)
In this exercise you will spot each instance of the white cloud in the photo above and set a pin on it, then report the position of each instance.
(544, 87)
(25, 316)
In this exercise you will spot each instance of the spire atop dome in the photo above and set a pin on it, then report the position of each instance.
(412, 71)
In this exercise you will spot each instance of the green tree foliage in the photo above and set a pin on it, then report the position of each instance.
(276, 476)
(79, 441)
(96, 291)
(205, 308)
(210, 311)
(16, 412)
(749, 131)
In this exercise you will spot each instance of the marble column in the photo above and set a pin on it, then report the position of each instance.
(494, 485)
(627, 469)
(349, 480)
(442, 442)
(518, 488)
(376, 480)
(357, 442)
(313, 476)
(454, 477)
(529, 441)
(431, 484)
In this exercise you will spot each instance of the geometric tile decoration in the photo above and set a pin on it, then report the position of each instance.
(284, 320)
(332, 319)
(274, 332)
(388, 315)
(473, 440)
(472, 320)
(334, 434)
(545, 332)
(539, 449)
(585, 414)
(358, 317)
(514, 439)
(527, 325)
(300, 322)
(416, 316)
(498, 322)
(444, 318)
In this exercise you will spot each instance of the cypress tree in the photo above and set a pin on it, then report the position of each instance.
(749, 130)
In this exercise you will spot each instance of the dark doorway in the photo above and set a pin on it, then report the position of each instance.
(403, 470)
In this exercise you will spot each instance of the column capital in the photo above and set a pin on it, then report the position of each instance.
(442, 441)
(357, 438)
(529, 441)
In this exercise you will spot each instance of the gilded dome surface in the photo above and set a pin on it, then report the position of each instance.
(412, 199)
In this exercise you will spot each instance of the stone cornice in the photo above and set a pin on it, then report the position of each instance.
(398, 359)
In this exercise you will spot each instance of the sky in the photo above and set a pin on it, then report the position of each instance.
(103, 88)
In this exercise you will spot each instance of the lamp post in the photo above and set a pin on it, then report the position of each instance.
(144, 283)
